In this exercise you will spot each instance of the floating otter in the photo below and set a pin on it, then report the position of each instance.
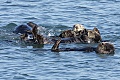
(35, 36)
(103, 48)
(87, 36)
(94, 36)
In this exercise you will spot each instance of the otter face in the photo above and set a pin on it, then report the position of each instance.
(94, 35)
(91, 34)
(105, 48)
(78, 27)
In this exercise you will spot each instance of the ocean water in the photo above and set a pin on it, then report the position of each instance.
(21, 61)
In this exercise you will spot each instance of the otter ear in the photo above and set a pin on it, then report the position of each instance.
(73, 26)
(96, 30)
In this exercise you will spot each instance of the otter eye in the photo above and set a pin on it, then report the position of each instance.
(77, 27)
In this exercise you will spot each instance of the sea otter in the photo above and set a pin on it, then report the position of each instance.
(88, 36)
(102, 48)
(94, 36)
(36, 37)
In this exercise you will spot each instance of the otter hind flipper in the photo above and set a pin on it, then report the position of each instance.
(55, 47)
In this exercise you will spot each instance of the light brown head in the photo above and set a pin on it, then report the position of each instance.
(91, 34)
(94, 35)
(78, 27)
(105, 48)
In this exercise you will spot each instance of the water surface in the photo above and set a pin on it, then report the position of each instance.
(30, 62)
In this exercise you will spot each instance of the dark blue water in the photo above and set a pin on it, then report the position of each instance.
(30, 62)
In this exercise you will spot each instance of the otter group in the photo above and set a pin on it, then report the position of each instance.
(79, 34)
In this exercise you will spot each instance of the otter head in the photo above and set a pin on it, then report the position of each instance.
(78, 27)
(97, 35)
(105, 48)
(94, 35)
(91, 34)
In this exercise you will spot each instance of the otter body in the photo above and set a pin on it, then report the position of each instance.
(102, 48)
(82, 34)
(30, 34)
(22, 29)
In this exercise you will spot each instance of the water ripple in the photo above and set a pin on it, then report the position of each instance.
(36, 62)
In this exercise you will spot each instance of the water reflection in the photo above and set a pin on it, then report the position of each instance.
(104, 55)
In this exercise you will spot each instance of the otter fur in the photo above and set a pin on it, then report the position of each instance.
(105, 48)
(22, 29)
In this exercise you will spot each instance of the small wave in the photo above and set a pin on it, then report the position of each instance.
(52, 30)
(9, 27)
(31, 0)
(30, 18)
(8, 1)
(83, 8)
(11, 24)
(60, 26)
(18, 5)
